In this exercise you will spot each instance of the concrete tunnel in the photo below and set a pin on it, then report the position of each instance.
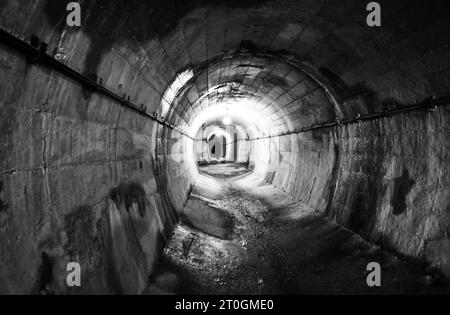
(336, 147)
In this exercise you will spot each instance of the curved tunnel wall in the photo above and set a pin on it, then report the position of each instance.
(84, 179)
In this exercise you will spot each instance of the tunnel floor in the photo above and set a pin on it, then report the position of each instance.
(225, 170)
(276, 245)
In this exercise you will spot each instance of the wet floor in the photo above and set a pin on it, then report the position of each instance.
(249, 238)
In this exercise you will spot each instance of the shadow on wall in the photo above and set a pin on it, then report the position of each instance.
(358, 98)
(128, 194)
(144, 20)
(402, 187)
(116, 243)
(4, 206)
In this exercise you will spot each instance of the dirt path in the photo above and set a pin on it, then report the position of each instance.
(278, 246)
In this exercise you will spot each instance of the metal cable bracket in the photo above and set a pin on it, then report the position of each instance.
(36, 53)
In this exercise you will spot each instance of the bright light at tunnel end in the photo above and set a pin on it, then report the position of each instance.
(227, 120)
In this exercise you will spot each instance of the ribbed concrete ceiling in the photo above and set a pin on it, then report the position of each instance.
(264, 84)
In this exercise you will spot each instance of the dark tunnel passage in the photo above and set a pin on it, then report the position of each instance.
(224, 147)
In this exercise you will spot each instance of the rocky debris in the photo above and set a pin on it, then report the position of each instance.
(187, 243)
(267, 254)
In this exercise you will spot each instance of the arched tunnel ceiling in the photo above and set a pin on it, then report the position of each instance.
(364, 69)
(268, 85)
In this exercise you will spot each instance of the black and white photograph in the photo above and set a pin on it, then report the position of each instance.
(224, 153)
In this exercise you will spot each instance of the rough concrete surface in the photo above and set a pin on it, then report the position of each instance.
(84, 178)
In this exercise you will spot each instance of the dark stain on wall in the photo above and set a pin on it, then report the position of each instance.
(8, 124)
(363, 216)
(359, 215)
(45, 273)
(334, 178)
(159, 165)
(106, 244)
(78, 226)
(127, 194)
(402, 187)
(3, 205)
(363, 199)
(90, 241)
